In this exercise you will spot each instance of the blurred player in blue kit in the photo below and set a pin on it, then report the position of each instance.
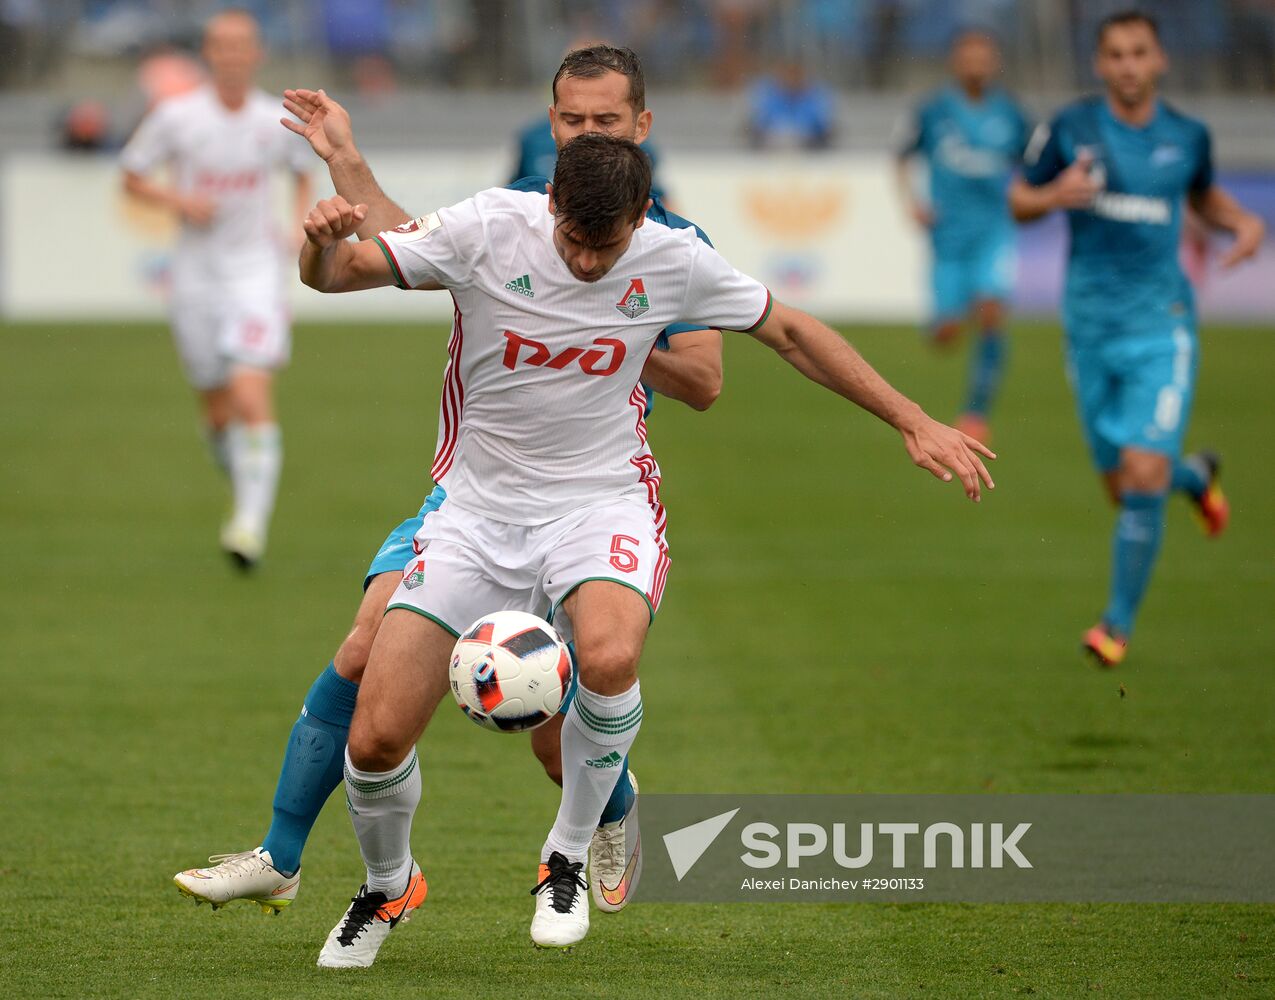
(1121, 165)
(970, 135)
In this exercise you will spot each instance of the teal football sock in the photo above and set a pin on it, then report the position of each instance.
(987, 368)
(1190, 476)
(621, 797)
(1139, 529)
(313, 766)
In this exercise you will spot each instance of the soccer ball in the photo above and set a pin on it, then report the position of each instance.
(510, 671)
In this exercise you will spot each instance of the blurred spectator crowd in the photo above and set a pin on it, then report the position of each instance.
(1219, 45)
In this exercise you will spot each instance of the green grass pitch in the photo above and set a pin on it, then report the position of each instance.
(835, 621)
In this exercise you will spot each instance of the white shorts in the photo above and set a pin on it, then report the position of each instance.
(217, 329)
(468, 565)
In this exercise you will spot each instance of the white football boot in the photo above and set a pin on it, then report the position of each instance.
(249, 875)
(562, 904)
(244, 545)
(359, 934)
(615, 859)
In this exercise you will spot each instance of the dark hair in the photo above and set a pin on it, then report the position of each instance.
(599, 184)
(1130, 16)
(597, 60)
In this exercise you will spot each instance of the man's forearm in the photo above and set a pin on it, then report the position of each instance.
(1218, 208)
(323, 268)
(354, 181)
(152, 193)
(1028, 203)
(823, 356)
(693, 377)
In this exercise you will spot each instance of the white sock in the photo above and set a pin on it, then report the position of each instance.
(596, 736)
(256, 456)
(218, 442)
(381, 808)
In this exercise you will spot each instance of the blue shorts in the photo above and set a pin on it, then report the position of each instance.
(986, 272)
(397, 549)
(1134, 390)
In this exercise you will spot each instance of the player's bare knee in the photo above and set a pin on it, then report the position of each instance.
(608, 666)
(351, 659)
(1144, 472)
(374, 750)
(990, 316)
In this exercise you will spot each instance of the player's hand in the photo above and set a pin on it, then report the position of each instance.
(1250, 230)
(945, 452)
(197, 210)
(332, 220)
(323, 123)
(1074, 188)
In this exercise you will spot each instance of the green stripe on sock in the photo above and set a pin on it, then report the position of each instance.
(370, 788)
(609, 720)
(612, 726)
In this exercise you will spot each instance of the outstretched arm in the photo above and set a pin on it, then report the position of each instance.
(690, 371)
(325, 125)
(820, 354)
(1219, 209)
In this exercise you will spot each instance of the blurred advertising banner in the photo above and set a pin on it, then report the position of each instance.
(826, 233)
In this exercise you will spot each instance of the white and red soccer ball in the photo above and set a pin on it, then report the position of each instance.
(510, 671)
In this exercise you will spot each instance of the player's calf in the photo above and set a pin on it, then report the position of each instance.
(351, 658)
(546, 744)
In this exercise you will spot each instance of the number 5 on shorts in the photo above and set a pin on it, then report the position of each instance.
(621, 558)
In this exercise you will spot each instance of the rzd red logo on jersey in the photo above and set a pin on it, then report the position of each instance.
(603, 359)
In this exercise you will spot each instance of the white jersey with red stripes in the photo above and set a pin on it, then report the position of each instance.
(542, 406)
(228, 156)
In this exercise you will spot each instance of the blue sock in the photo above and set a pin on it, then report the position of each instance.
(1136, 544)
(1190, 477)
(621, 797)
(987, 366)
(312, 766)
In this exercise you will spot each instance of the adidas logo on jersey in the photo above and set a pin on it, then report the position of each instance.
(522, 286)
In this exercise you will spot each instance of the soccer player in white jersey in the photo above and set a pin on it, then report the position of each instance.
(229, 319)
(600, 89)
(553, 501)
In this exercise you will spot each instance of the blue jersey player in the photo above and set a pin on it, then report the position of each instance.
(971, 136)
(538, 153)
(598, 89)
(1121, 166)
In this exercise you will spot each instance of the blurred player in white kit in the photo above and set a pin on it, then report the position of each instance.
(229, 319)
